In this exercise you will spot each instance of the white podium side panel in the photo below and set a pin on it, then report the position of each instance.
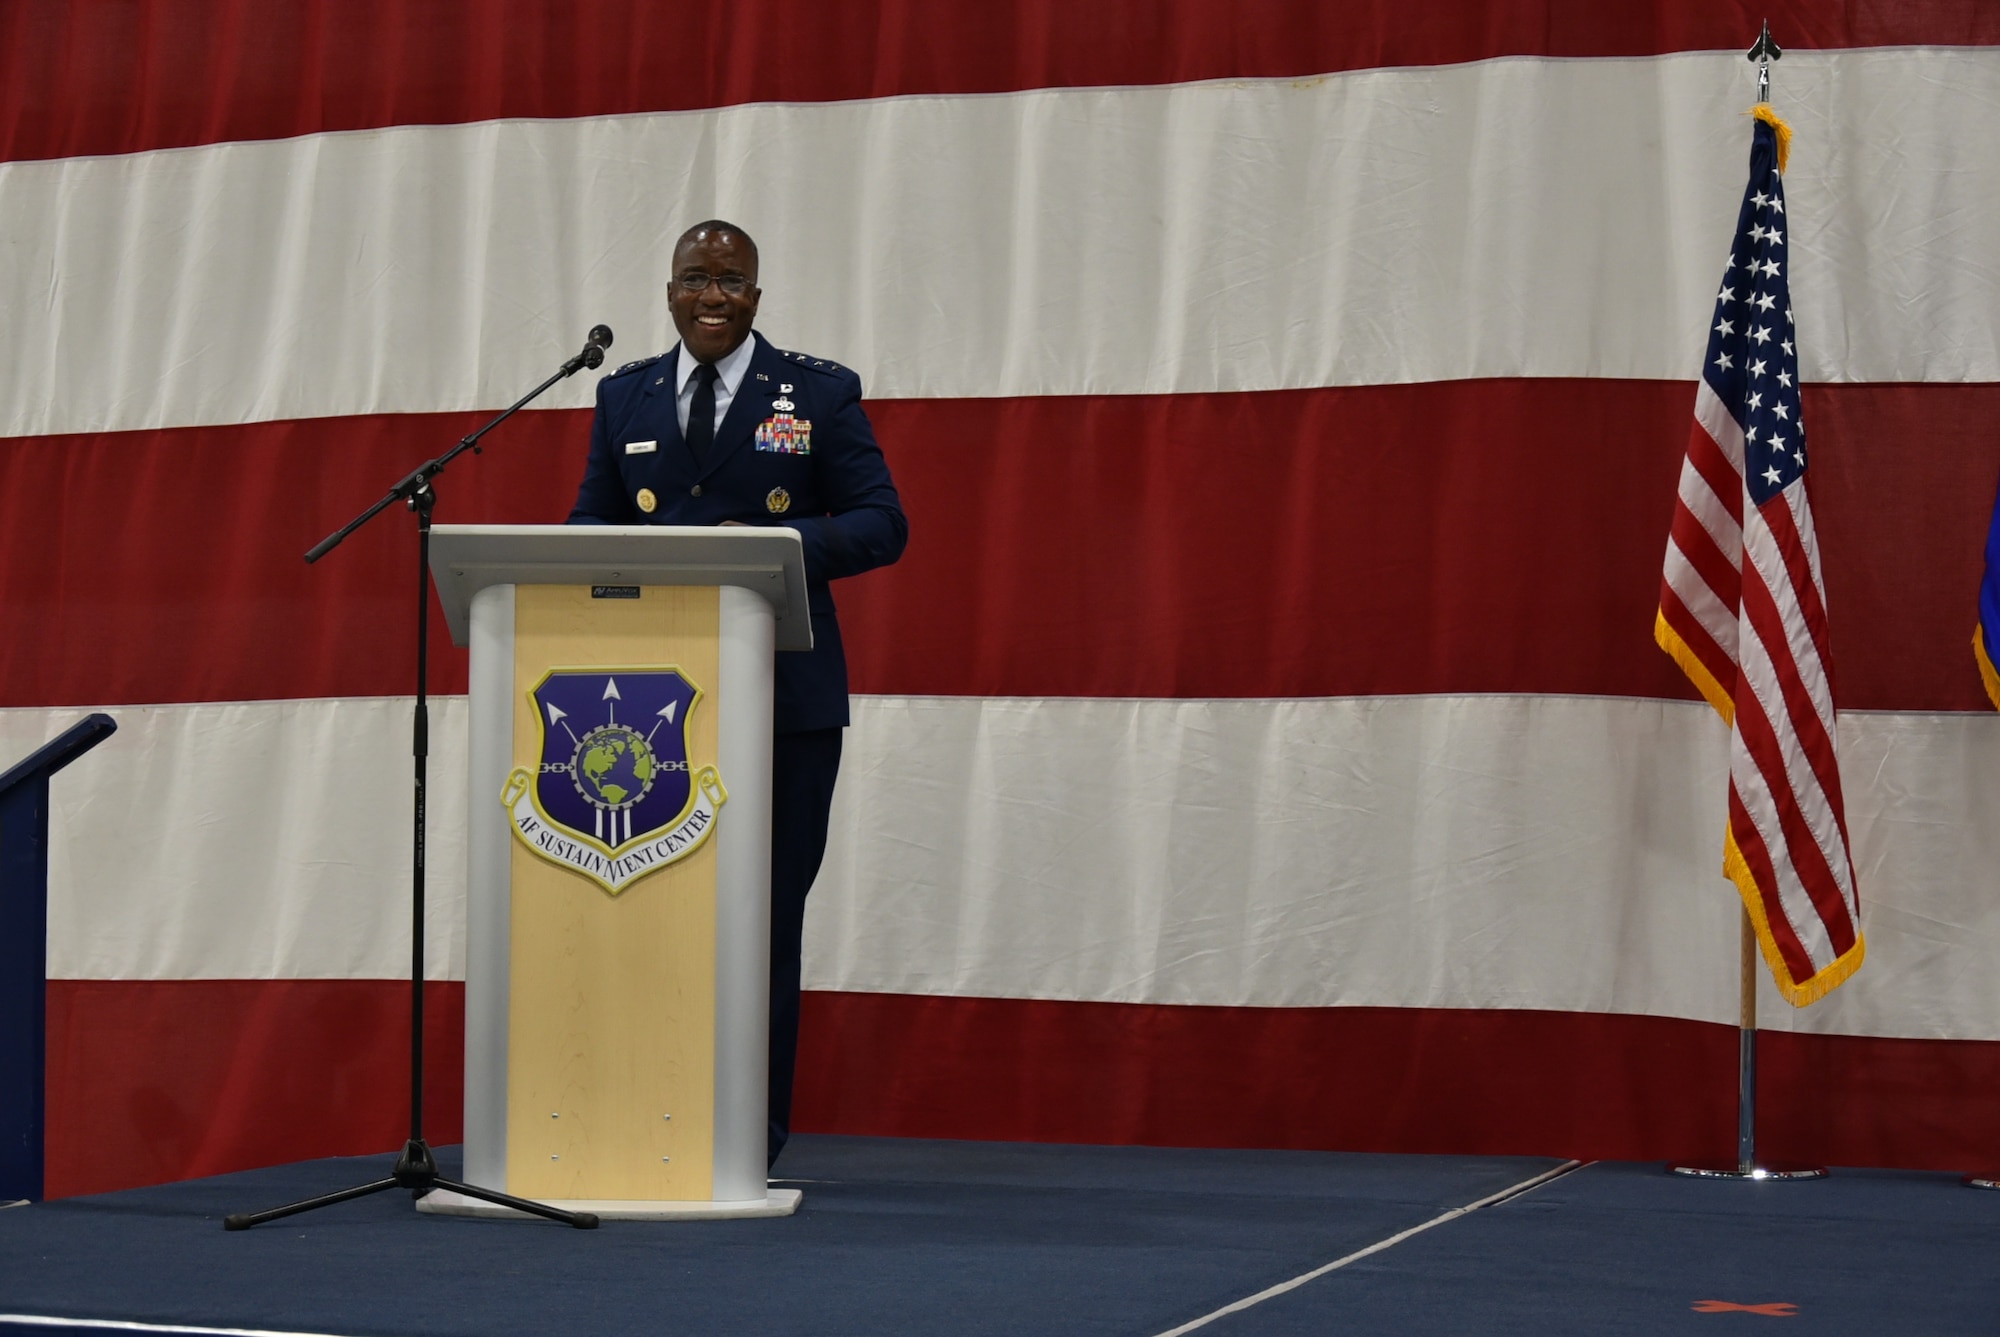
(743, 899)
(488, 908)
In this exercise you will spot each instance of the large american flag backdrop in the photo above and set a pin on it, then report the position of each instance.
(1261, 743)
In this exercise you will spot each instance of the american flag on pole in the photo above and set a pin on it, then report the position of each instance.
(1743, 605)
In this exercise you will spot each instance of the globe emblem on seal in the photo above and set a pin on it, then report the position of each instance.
(613, 767)
(612, 792)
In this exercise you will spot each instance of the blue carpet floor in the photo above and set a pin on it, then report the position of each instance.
(895, 1237)
(920, 1238)
(1617, 1248)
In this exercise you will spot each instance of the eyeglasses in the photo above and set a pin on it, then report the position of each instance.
(694, 281)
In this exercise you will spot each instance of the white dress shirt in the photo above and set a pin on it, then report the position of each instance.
(730, 372)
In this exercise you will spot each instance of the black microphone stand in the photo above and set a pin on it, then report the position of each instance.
(416, 1169)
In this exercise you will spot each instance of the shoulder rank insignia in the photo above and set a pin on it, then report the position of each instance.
(783, 434)
(642, 362)
(818, 364)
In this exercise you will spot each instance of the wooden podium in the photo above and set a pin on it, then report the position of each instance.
(618, 860)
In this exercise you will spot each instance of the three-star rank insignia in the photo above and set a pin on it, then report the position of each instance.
(613, 795)
(647, 501)
(777, 501)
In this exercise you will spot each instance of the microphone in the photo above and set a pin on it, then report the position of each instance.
(592, 355)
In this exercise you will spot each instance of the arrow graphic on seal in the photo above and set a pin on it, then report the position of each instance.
(666, 716)
(556, 716)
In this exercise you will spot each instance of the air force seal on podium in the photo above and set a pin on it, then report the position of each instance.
(615, 796)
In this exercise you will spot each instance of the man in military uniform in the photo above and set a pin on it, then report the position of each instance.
(724, 429)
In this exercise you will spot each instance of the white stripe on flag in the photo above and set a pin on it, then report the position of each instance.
(1437, 851)
(1391, 226)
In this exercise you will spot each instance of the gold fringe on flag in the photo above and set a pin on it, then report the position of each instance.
(1763, 112)
(1987, 674)
(1670, 640)
(1805, 991)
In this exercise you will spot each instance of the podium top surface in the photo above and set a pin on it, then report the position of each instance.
(465, 559)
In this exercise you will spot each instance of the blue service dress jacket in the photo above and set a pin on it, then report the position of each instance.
(813, 467)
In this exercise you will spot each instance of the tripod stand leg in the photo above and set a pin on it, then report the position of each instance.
(580, 1220)
(245, 1220)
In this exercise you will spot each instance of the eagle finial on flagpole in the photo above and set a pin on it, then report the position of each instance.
(1763, 53)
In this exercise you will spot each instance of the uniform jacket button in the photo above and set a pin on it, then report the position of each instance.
(695, 491)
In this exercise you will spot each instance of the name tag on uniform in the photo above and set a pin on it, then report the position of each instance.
(641, 447)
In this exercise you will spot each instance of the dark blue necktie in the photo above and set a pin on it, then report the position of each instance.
(701, 413)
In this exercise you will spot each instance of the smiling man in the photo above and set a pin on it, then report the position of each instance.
(725, 429)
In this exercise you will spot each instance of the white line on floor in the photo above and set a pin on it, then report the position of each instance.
(124, 1325)
(1247, 1301)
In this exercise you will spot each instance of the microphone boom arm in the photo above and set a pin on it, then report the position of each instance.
(418, 480)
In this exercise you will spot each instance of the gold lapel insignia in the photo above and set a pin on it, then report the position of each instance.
(777, 501)
(647, 501)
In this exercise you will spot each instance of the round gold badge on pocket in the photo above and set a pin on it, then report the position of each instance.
(778, 501)
(647, 501)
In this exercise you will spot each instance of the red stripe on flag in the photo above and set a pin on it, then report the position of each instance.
(1898, 544)
(1695, 636)
(104, 598)
(1750, 844)
(1048, 554)
(151, 1081)
(1382, 1079)
(75, 80)
(1386, 498)
(154, 1080)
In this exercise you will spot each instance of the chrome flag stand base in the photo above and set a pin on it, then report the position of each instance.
(1746, 1166)
(1754, 1172)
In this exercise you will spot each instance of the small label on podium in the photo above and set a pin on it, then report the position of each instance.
(614, 591)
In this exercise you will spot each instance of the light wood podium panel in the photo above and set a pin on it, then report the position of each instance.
(611, 1034)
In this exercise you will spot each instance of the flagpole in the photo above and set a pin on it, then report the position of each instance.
(1746, 1055)
(1746, 1165)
